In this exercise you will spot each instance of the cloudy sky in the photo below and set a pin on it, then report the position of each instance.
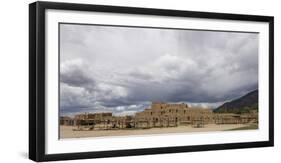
(122, 69)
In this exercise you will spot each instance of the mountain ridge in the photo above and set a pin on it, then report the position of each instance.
(243, 104)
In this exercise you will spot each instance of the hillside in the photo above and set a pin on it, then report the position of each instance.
(241, 105)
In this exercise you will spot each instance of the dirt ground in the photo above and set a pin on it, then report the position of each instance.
(67, 131)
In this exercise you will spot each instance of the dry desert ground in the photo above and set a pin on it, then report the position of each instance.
(67, 131)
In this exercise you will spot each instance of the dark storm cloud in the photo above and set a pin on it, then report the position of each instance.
(122, 70)
(77, 78)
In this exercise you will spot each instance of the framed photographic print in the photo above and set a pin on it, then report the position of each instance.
(110, 81)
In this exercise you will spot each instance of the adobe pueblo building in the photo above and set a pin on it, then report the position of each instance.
(158, 115)
(171, 115)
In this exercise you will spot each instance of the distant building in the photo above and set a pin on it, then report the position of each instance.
(66, 121)
(158, 115)
(170, 115)
(102, 121)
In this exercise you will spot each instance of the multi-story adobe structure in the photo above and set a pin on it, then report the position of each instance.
(170, 115)
(159, 115)
(101, 121)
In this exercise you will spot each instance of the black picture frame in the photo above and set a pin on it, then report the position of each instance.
(37, 87)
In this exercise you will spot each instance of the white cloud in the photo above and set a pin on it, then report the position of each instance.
(122, 69)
